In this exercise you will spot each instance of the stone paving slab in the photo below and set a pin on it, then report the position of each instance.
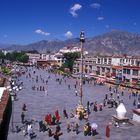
(59, 96)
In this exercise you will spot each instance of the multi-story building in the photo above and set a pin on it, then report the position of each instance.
(71, 49)
(33, 57)
(122, 67)
(89, 65)
(57, 58)
(131, 73)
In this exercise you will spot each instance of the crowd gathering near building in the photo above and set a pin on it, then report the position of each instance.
(122, 68)
(51, 122)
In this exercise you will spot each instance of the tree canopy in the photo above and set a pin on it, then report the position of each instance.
(69, 60)
(17, 56)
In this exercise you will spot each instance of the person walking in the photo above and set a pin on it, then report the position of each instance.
(22, 117)
(68, 127)
(57, 134)
(65, 113)
(24, 108)
(107, 131)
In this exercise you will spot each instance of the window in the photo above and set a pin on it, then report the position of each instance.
(103, 69)
(108, 69)
(98, 61)
(105, 60)
(132, 62)
(128, 71)
(90, 66)
(123, 61)
(101, 60)
(109, 61)
(135, 72)
(124, 71)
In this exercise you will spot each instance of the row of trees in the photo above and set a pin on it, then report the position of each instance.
(15, 56)
(22, 57)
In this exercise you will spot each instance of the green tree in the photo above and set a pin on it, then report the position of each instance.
(69, 60)
(17, 56)
(23, 58)
(2, 56)
(8, 56)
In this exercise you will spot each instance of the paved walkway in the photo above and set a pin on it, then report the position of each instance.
(59, 97)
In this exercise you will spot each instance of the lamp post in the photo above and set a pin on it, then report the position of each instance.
(82, 40)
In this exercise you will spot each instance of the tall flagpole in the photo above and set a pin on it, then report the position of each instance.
(82, 40)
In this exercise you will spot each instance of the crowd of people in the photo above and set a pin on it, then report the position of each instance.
(40, 84)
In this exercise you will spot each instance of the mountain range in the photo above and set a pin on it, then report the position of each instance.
(114, 42)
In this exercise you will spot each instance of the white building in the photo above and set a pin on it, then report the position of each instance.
(33, 57)
(71, 49)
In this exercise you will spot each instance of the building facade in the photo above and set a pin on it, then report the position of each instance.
(122, 67)
(56, 58)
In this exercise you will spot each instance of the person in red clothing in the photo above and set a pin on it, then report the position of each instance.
(56, 113)
(107, 131)
(49, 119)
(57, 117)
(46, 119)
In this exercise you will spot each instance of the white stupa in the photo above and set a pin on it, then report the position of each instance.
(121, 111)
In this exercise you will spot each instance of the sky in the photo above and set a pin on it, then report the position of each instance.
(28, 21)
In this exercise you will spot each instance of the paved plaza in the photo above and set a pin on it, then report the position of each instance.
(58, 97)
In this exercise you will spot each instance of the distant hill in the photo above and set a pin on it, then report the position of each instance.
(114, 42)
(117, 42)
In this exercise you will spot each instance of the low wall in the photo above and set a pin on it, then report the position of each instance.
(2, 81)
(5, 113)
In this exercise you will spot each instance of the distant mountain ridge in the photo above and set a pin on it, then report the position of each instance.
(114, 42)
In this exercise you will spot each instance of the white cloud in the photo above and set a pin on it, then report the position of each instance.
(100, 18)
(39, 31)
(95, 5)
(68, 34)
(75, 8)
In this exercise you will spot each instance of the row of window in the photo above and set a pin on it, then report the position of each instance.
(134, 72)
(100, 61)
(125, 71)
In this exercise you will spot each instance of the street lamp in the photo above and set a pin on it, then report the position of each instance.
(82, 40)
